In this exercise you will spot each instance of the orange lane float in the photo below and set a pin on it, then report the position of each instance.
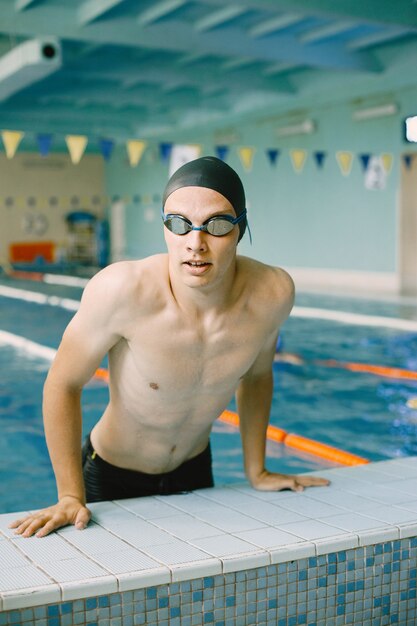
(279, 435)
(377, 370)
(323, 450)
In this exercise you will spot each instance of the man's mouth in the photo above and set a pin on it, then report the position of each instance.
(196, 263)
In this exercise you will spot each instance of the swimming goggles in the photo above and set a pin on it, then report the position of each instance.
(219, 225)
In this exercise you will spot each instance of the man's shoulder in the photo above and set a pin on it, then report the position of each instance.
(267, 276)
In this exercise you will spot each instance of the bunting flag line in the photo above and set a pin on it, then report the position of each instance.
(408, 160)
(165, 150)
(135, 149)
(76, 145)
(364, 159)
(11, 141)
(387, 161)
(319, 158)
(273, 155)
(298, 159)
(246, 157)
(106, 148)
(222, 152)
(44, 142)
(344, 160)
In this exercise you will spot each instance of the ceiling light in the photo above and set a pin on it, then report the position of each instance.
(303, 128)
(373, 112)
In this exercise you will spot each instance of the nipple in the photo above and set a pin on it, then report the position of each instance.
(154, 386)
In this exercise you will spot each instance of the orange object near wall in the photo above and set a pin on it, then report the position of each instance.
(29, 251)
(323, 450)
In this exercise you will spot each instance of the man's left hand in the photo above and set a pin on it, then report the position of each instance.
(268, 481)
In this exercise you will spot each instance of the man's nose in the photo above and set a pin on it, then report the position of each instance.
(196, 240)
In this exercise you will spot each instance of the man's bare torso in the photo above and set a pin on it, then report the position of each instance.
(172, 373)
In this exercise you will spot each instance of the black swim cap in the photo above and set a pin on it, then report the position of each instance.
(215, 174)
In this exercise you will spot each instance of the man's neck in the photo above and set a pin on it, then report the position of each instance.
(207, 298)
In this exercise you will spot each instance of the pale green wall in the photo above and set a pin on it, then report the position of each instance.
(316, 219)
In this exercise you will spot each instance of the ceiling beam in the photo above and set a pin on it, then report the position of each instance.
(217, 18)
(399, 13)
(325, 32)
(91, 10)
(380, 37)
(22, 5)
(158, 11)
(180, 37)
(275, 24)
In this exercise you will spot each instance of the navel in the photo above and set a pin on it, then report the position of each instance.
(154, 386)
(173, 449)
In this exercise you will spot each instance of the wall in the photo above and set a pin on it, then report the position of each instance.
(33, 188)
(318, 218)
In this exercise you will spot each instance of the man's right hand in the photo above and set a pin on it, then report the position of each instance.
(69, 510)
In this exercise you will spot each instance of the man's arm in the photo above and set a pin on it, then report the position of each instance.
(254, 398)
(86, 340)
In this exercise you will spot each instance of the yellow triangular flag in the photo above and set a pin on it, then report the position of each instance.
(76, 145)
(298, 158)
(135, 149)
(246, 156)
(345, 160)
(387, 160)
(11, 140)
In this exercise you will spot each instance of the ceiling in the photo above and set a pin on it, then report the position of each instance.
(148, 68)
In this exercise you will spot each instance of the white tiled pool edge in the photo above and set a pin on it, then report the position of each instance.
(138, 543)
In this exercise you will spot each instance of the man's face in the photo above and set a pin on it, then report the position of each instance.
(198, 257)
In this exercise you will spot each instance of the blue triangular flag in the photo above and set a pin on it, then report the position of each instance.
(165, 150)
(273, 155)
(364, 159)
(44, 144)
(408, 160)
(222, 152)
(319, 158)
(106, 147)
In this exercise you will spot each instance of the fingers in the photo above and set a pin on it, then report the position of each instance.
(82, 519)
(312, 481)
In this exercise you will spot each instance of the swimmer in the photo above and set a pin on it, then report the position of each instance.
(184, 331)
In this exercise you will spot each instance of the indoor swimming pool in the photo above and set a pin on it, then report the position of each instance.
(371, 416)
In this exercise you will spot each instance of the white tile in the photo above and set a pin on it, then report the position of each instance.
(8, 518)
(94, 539)
(70, 570)
(105, 511)
(353, 522)
(342, 499)
(370, 537)
(409, 506)
(197, 569)
(269, 538)
(391, 514)
(272, 514)
(187, 502)
(308, 507)
(296, 551)
(176, 553)
(408, 485)
(74, 590)
(312, 530)
(25, 577)
(142, 534)
(225, 546)
(245, 561)
(123, 561)
(22, 598)
(148, 507)
(409, 461)
(369, 473)
(46, 549)
(336, 544)
(10, 556)
(407, 530)
(230, 497)
(228, 520)
(379, 493)
(186, 527)
(396, 469)
(144, 578)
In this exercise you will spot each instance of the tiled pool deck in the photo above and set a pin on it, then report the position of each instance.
(343, 554)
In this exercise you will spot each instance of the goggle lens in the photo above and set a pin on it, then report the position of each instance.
(217, 226)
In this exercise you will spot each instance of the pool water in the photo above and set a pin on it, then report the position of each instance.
(361, 413)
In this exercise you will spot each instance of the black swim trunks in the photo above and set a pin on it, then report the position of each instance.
(104, 481)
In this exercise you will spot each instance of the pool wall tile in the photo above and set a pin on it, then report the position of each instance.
(343, 554)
